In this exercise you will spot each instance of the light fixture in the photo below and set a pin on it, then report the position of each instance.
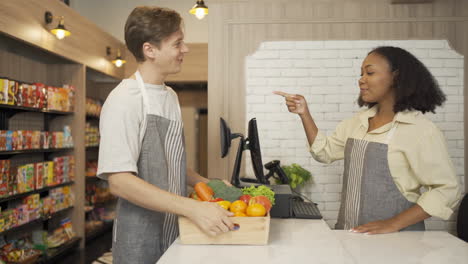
(60, 31)
(118, 61)
(200, 10)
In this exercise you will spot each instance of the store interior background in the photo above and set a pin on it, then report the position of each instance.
(250, 45)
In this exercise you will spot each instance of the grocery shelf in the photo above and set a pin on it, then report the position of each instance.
(107, 226)
(21, 195)
(15, 108)
(33, 222)
(55, 254)
(25, 151)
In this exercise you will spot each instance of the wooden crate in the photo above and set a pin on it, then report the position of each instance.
(252, 231)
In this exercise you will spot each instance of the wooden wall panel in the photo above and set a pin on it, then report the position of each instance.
(24, 20)
(194, 67)
(238, 27)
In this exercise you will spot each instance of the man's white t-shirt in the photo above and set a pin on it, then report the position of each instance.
(123, 123)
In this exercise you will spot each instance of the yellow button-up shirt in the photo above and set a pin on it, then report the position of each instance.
(417, 157)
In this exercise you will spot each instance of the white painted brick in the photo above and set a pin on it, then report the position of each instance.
(454, 99)
(443, 54)
(331, 197)
(307, 64)
(293, 54)
(282, 81)
(295, 72)
(329, 214)
(348, 107)
(327, 179)
(444, 72)
(312, 81)
(349, 72)
(338, 63)
(309, 45)
(454, 134)
(320, 54)
(453, 63)
(449, 126)
(325, 108)
(333, 188)
(433, 63)
(279, 45)
(449, 108)
(456, 153)
(353, 54)
(451, 117)
(323, 72)
(264, 72)
(454, 81)
(451, 90)
(259, 90)
(332, 206)
(256, 81)
(420, 53)
(255, 99)
(419, 44)
(266, 54)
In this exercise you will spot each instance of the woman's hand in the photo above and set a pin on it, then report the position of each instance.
(377, 227)
(296, 103)
(211, 218)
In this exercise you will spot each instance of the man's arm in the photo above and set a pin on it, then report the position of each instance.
(210, 217)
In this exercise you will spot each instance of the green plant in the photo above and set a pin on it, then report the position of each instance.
(221, 190)
(297, 175)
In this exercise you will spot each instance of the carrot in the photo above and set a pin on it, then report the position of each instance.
(204, 192)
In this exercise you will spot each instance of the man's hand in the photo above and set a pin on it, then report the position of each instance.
(211, 218)
(377, 227)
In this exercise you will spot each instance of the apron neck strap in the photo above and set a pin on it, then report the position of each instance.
(141, 85)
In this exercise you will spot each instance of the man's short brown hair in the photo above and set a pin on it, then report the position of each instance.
(149, 24)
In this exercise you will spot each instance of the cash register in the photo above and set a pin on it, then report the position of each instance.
(288, 204)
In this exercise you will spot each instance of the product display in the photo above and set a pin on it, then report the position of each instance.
(34, 207)
(34, 176)
(36, 95)
(98, 192)
(91, 135)
(26, 139)
(91, 168)
(93, 107)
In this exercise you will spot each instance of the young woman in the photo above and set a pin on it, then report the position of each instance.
(391, 149)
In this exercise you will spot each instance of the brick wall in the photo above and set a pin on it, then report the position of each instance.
(326, 73)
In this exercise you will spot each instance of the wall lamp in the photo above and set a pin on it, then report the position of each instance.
(60, 31)
(200, 10)
(118, 61)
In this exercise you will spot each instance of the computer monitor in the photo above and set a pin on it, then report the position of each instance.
(251, 143)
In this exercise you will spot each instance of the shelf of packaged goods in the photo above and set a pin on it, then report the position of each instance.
(21, 195)
(92, 117)
(92, 179)
(34, 222)
(92, 147)
(54, 254)
(26, 151)
(16, 108)
(105, 202)
(106, 227)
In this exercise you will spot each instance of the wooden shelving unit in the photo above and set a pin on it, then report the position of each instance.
(42, 58)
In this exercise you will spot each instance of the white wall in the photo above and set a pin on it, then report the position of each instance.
(326, 73)
(110, 15)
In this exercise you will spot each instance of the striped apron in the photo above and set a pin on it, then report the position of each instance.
(141, 236)
(369, 192)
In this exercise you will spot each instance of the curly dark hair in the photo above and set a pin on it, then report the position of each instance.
(415, 87)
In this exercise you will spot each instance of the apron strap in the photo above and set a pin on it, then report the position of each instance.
(141, 85)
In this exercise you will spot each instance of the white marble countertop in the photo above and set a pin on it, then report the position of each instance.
(312, 241)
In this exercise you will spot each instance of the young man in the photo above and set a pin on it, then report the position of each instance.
(142, 146)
